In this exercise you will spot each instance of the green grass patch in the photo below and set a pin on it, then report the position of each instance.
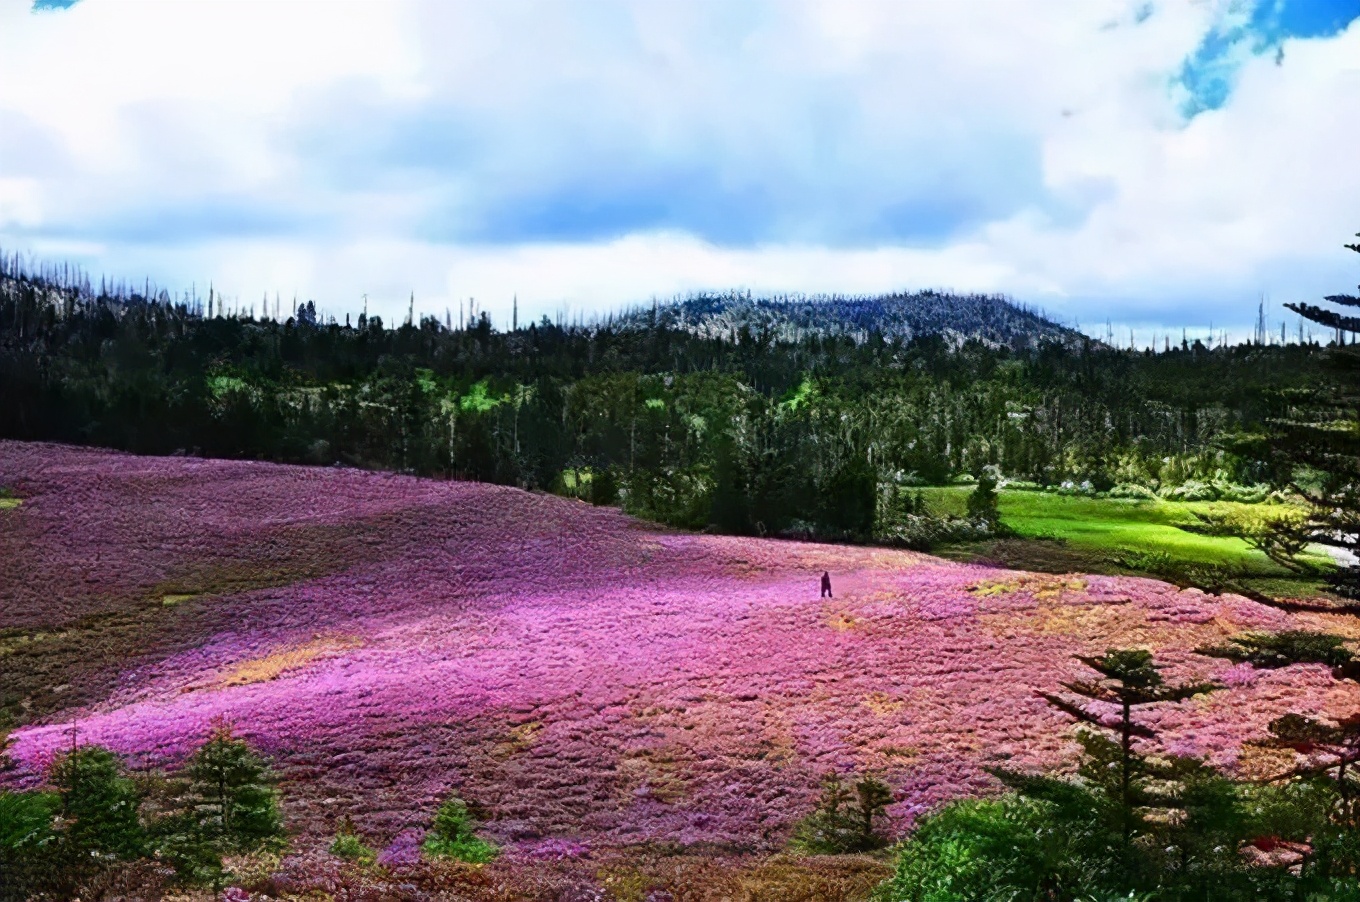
(1122, 535)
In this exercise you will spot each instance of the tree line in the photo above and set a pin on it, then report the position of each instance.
(746, 431)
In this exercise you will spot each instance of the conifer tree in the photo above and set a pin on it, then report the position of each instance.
(1328, 749)
(99, 804)
(454, 835)
(98, 815)
(1128, 680)
(844, 819)
(1314, 450)
(230, 794)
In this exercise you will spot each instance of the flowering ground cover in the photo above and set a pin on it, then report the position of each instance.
(588, 683)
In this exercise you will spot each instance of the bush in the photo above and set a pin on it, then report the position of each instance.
(231, 796)
(923, 532)
(350, 846)
(1156, 562)
(1191, 490)
(454, 835)
(1133, 491)
(27, 841)
(1246, 494)
(843, 820)
(982, 501)
(1007, 848)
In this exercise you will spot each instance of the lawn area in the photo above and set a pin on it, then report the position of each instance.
(1054, 531)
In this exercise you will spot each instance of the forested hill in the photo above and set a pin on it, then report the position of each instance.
(992, 319)
(768, 431)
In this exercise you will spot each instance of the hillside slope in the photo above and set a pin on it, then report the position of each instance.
(990, 318)
(578, 675)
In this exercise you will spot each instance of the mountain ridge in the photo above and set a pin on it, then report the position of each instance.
(993, 319)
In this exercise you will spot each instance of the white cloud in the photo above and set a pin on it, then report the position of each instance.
(467, 149)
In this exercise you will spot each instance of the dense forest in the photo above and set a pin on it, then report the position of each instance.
(755, 427)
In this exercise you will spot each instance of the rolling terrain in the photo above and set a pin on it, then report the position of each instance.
(590, 683)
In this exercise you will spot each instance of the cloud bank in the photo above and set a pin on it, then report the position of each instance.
(1157, 164)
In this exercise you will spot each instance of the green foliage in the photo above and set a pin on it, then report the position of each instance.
(97, 819)
(1010, 848)
(26, 820)
(229, 795)
(479, 399)
(1137, 824)
(222, 385)
(1275, 650)
(179, 841)
(982, 501)
(1054, 840)
(454, 835)
(844, 818)
(1312, 448)
(1281, 534)
(350, 846)
(27, 842)
(848, 500)
(99, 805)
(1142, 561)
(814, 416)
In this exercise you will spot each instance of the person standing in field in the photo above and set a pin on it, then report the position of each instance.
(826, 585)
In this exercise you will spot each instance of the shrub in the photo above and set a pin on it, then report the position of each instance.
(1275, 650)
(922, 532)
(350, 846)
(843, 820)
(99, 805)
(454, 835)
(26, 841)
(1133, 491)
(230, 794)
(1006, 848)
(180, 843)
(1145, 561)
(982, 501)
(1191, 490)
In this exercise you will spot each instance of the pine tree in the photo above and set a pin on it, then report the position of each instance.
(454, 835)
(844, 818)
(98, 816)
(982, 501)
(1128, 680)
(1315, 449)
(230, 794)
(99, 804)
(1328, 749)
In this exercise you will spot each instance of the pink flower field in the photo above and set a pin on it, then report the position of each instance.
(587, 681)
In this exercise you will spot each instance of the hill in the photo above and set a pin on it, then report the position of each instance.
(590, 682)
(992, 319)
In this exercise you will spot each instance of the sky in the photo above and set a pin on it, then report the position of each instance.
(1161, 165)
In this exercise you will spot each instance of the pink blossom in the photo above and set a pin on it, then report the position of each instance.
(584, 680)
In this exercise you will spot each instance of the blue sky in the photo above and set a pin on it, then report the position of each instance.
(1159, 164)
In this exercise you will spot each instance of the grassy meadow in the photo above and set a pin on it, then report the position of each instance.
(1055, 532)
